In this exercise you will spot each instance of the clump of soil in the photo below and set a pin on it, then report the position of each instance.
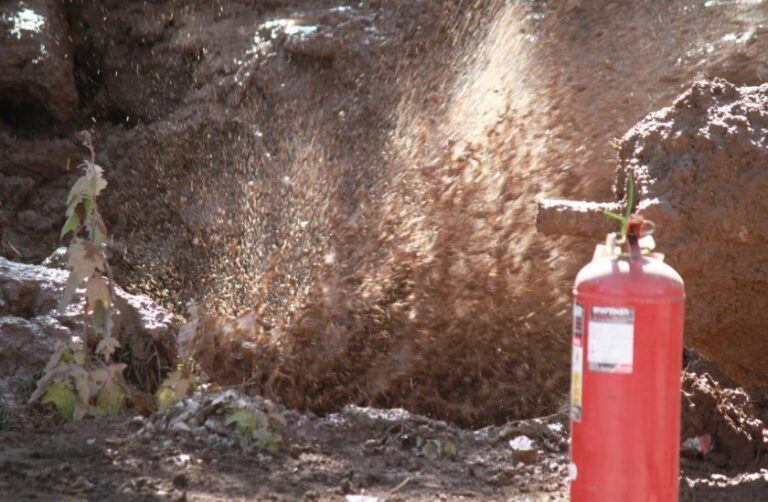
(727, 416)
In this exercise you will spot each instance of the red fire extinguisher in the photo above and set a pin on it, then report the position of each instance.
(625, 378)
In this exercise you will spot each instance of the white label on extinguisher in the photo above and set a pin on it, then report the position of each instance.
(577, 361)
(611, 338)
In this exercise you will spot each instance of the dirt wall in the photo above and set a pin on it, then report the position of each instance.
(701, 170)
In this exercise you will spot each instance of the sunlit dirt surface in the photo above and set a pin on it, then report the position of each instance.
(100, 459)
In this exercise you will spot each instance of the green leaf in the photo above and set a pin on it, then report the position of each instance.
(613, 215)
(166, 396)
(630, 194)
(71, 225)
(630, 201)
(96, 181)
(266, 441)
(84, 259)
(247, 421)
(624, 219)
(449, 450)
(97, 230)
(97, 292)
(87, 208)
(77, 191)
(63, 398)
(110, 399)
(79, 357)
(66, 355)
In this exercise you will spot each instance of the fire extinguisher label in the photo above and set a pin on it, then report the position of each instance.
(577, 361)
(578, 320)
(576, 382)
(611, 337)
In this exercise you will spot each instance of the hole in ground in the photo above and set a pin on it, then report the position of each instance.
(24, 115)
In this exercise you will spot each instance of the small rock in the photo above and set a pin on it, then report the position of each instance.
(699, 445)
(364, 498)
(371, 447)
(192, 405)
(82, 484)
(138, 421)
(524, 449)
(180, 427)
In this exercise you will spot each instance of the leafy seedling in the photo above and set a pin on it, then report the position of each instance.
(624, 218)
(75, 381)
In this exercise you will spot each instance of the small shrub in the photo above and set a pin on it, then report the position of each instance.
(75, 380)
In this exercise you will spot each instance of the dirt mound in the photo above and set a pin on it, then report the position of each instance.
(700, 165)
(700, 171)
(721, 421)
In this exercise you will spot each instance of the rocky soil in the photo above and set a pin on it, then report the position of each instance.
(358, 452)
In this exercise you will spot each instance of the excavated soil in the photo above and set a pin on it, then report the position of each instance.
(701, 171)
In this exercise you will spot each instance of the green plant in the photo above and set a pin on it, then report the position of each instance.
(624, 218)
(255, 428)
(176, 386)
(75, 380)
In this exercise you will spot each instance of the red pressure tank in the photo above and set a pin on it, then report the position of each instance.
(625, 379)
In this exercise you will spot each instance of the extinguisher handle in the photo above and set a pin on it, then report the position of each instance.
(634, 232)
(633, 243)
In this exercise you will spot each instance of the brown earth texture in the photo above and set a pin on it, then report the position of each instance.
(345, 195)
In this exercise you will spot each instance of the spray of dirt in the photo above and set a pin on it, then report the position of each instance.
(437, 294)
(364, 177)
(428, 296)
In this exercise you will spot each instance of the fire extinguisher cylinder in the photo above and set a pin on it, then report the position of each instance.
(627, 348)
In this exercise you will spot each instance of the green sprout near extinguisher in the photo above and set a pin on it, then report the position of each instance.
(624, 218)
